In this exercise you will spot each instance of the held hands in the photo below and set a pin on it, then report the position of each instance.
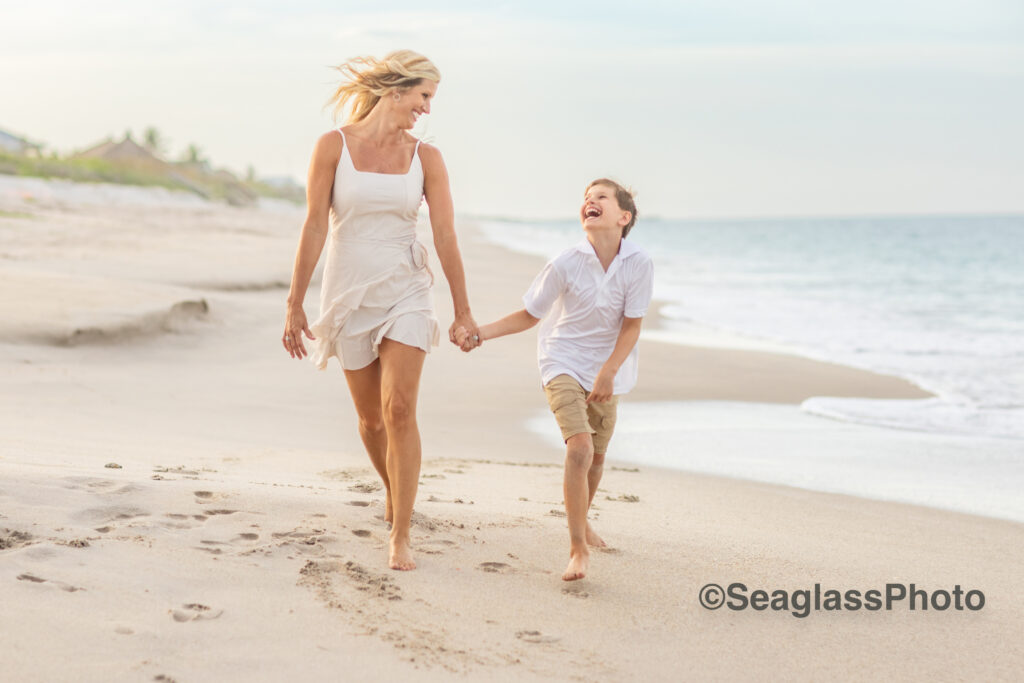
(604, 386)
(465, 333)
(464, 340)
(294, 327)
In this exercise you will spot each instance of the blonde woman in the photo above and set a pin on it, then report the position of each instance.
(366, 182)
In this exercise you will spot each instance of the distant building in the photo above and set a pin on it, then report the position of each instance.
(126, 150)
(14, 145)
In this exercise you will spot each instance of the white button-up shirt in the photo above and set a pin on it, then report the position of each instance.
(582, 306)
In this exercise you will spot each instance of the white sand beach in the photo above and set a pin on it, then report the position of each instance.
(181, 501)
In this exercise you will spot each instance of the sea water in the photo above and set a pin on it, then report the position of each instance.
(936, 300)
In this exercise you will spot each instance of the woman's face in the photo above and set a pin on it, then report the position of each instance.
(414, 103)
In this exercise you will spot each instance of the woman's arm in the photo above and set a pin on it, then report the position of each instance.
(314, 233)
(437, 191)
(604, 384)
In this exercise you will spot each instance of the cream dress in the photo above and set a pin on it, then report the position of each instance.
(376, 281)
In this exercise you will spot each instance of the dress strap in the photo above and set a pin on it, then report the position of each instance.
(344, 148)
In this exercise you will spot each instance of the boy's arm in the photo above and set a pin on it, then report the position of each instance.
(604, 385)
(510, 324)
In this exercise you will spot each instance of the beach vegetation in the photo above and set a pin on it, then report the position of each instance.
(126, 163)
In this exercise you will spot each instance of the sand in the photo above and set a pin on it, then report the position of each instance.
(179, 500)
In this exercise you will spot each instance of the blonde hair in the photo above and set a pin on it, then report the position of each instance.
(367, 79)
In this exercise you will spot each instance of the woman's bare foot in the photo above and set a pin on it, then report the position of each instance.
(400, 556)
(593, 539)
(579, 562)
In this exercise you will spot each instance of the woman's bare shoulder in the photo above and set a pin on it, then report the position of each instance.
(430, 155)
(329, 144)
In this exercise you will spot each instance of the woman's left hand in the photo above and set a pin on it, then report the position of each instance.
(472, 329)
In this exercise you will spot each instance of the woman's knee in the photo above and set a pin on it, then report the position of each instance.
(398, 410)
(371, 423)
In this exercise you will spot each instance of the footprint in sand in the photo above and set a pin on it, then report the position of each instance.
(366, 487)
(307, 541)
(212, 551)
(14, 539)
(110, 514)
(434, 546)
(359, 503)
(536, 637)
(361, 533)
(575, 592)
(379, 585)
(195, 612)
(495, 567)
(58, 584)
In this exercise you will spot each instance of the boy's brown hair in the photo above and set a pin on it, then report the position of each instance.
(624, 198)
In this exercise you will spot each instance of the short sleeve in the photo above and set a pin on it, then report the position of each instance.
(640, 288)
(545, 290)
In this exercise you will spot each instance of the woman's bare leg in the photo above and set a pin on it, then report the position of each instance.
(364, 385)
(401, 367)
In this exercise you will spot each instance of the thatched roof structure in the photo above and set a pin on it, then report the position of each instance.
(126, 150)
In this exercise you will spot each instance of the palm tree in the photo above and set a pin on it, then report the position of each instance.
(153, 140)
(194, 155)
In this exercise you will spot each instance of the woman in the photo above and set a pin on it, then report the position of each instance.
(366, 181)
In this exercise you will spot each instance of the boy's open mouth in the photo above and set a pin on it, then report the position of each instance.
(592, 212)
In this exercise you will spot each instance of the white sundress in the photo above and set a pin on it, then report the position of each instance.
(376, 282)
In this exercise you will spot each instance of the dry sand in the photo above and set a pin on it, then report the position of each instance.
(241, 535)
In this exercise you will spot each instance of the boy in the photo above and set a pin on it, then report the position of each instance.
(592, 298)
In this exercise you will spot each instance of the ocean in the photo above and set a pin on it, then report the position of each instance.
(938, 301)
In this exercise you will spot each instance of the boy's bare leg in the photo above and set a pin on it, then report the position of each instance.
(578, 458)
(593, 479)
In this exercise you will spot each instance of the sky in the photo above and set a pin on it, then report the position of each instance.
(709, 108)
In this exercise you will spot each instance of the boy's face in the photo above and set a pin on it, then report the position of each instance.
(600, 210)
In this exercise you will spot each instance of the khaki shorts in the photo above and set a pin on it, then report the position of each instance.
(568, 401)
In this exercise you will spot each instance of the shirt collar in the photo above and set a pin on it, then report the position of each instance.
(626, 248)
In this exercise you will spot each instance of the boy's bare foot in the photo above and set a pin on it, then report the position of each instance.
(593, 539)
(578, 565)
(400, 556)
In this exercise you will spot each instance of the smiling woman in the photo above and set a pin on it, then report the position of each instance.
(366, 182)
